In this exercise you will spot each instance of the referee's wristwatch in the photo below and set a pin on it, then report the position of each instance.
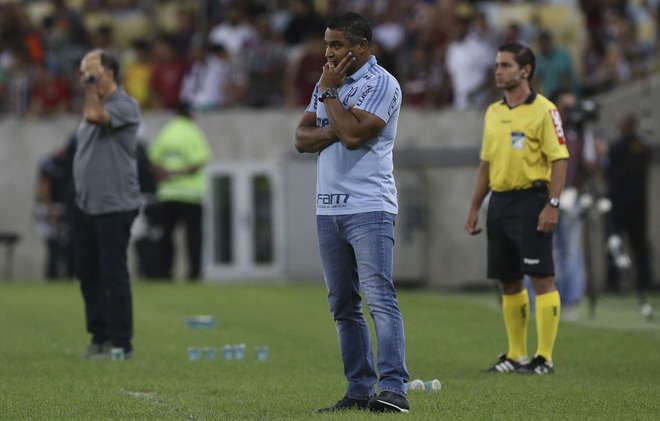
(329, 93)
(554, 202)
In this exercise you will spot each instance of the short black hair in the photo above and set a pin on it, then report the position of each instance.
(184, 108)
(354, 26)
(109, 62)
(554, 97)
(522, 54)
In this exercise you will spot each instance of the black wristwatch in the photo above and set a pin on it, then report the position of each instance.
(554, 202)
(329, 93)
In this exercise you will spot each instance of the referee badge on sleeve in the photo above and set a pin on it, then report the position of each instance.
(517, 140)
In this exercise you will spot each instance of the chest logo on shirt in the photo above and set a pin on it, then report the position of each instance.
(352, 92)
(517, 140)
(556, 121)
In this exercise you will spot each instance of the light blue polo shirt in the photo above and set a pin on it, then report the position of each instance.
(361, 180)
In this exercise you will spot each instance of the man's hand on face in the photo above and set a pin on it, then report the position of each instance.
(90, 69)
(333, 76)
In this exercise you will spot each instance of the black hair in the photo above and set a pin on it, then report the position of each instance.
(522, 54)
(110, 63)
(355, 27)
(183, 108)
(554, 97)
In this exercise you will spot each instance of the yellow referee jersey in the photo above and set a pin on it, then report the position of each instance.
(520, 143)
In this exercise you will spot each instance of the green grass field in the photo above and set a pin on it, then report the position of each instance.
(605, 369)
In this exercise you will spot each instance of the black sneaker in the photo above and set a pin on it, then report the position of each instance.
(506, 365)
(538, 365)
(346, 403)
(389, 402)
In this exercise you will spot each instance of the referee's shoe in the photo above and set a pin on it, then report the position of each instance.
(506, 365)
(538, 365)
(389, 402)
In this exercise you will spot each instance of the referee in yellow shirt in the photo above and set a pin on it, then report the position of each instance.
(523, 163)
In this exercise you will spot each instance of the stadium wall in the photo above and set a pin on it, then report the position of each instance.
(436, 158)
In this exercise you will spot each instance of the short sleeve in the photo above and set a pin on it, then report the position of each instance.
(380, 96)
(314, 102)
(122, 113)
(553, 141)
(485, 140)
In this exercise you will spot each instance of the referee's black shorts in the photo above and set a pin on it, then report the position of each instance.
(515, 247)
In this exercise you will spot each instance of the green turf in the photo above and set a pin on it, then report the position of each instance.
(604, 370)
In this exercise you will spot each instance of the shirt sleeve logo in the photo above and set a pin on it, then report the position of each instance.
(556, 121)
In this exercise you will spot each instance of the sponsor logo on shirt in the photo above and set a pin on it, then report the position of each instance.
(395, 99)
(556, 120)
(332, 200)
(322, 122)
(531, 261)
(517, 140)
(364, 95)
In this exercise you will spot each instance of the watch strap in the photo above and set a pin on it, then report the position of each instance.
(329, 93)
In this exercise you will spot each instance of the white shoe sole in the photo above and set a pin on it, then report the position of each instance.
(392, 407)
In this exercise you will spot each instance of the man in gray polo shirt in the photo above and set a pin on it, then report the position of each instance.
(107, 199)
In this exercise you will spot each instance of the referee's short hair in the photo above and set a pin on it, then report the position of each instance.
(355, 27)
(522, 54)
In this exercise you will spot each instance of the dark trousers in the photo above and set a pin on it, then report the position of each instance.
(59, 259)
(170, 214)
(630, 218)
(100, 244)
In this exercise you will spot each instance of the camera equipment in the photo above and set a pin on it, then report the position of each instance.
(583, 112)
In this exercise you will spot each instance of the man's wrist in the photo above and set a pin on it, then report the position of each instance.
(329, 93)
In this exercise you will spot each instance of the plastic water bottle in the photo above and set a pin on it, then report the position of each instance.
(416, 384)
(262, 353)
(117, 354)
(228, 352)
(239, 352)
(194, 353)
(210, 352)
(201, 321)
(433, 385)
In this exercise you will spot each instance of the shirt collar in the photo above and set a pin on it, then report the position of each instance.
(362, 70)
(529, 100)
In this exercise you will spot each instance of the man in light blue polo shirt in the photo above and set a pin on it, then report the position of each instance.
(351, 122)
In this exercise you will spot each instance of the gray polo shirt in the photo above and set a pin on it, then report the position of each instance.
(105, 165)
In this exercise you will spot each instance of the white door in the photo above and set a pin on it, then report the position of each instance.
(243, 222)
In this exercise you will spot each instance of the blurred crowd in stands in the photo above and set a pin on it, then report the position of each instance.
(269, 53)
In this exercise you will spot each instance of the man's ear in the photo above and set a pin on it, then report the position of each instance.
(363, 45)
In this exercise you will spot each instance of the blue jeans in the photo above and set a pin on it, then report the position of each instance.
(356, 253)
(570, 273)
(570, 257)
